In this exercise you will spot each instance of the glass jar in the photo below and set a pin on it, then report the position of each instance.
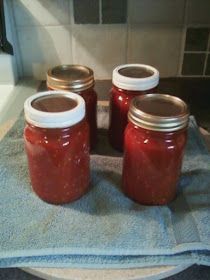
(56, 139)
(78, 79)
(155, 139)
(128, 81)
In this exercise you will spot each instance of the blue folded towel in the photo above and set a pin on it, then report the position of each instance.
(104, 229)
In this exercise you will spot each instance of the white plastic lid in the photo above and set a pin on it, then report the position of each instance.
(54, 119)
(131, 77)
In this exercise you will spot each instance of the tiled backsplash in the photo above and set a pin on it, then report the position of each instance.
(86, 12)
(172, 35)
(196, 52)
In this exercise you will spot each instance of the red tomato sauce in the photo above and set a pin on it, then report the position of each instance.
(152, 164)
(90, 98)
(58, 158)
(58, 162)
(119, 105)
(54, 104)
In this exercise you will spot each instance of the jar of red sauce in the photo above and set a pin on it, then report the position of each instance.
(128, 81)
(78, 79)
(56, 139)
(155, 139)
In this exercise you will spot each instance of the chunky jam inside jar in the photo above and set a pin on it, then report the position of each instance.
(58, 158)
(90, 98)
(152, 164)
(136, 72)
(54, 104)
(80, 80)
(119, 105)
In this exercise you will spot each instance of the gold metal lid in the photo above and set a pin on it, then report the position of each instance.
(70, 77)
(159, 112)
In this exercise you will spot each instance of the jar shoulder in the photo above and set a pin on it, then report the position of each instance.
(41, 135)
(124, 93)
(140, 136)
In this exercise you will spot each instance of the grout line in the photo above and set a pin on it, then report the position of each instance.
(126, 43)
(205, 64)
(206, 58)
(128, 27)
(186, 6)
(196, 52)
(70, 29)
(64, 24)
(195, 76)
(71, 43)
(100, 12)
(71, 12)
(183, 39)
(198, 25)
(43, 25)
(182, 52)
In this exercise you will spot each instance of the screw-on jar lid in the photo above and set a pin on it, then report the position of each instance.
(159, 112)
(54, 109)
(136, 77)
(70, 77)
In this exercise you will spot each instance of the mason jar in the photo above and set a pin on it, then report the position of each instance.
(80, 80)
(56, 139)
(128, 81)
(155, 138)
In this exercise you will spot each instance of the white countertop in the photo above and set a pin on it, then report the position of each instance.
(11, 102)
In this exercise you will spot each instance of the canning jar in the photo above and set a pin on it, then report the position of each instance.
(128, 81)
(78, 79)
(56, 139)
(155, 139)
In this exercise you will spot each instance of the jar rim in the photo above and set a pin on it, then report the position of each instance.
(62, 119)
(174, 118)
(135, 83)
(70, 77)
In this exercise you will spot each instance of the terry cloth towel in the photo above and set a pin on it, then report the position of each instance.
(104, 229)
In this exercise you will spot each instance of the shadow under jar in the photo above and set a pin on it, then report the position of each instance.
(155, 138)
(56, 139)
(80, 80)
(129, 81)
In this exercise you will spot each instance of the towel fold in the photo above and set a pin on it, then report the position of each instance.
(104, 229)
